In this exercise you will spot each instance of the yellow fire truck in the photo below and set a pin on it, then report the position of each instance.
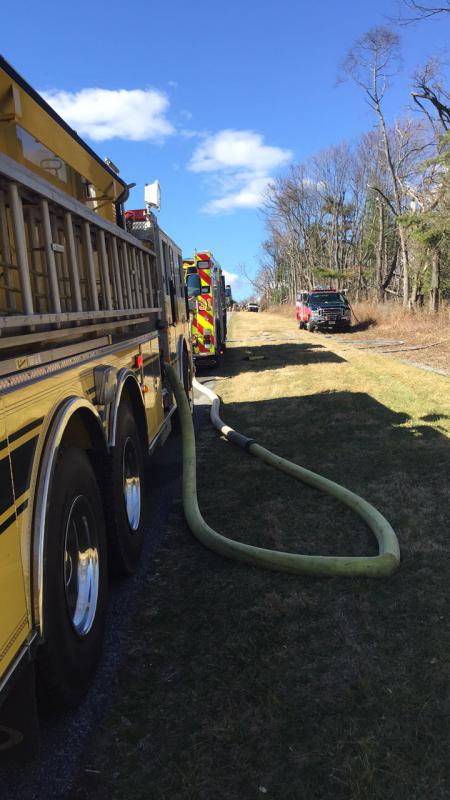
(205, 283)
(89, 311)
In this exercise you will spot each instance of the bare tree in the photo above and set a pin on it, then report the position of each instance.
(431, 97)
(429, 219)
(337, 218)
(377, 218)
(412, 11)
(293, 216)
(371, 62)
(263, 282)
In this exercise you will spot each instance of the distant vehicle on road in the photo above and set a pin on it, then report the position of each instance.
(323, 308)
(252, 306)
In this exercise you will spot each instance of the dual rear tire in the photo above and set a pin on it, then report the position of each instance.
(76, 583)
(77, 555)
(124, 482)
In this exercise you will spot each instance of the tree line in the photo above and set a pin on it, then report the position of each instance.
(372, 216)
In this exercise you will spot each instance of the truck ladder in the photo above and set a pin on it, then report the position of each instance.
(62, 265)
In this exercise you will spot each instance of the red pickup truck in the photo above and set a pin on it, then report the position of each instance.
(323, 308)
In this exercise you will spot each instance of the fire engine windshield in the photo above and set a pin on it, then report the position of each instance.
(193, 285)
(326, 298)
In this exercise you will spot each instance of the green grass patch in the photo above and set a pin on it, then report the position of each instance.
(244, 683)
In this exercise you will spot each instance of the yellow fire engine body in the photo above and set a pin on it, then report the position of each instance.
(33, 134)
(88, 313)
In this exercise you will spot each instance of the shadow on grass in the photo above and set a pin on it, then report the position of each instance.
(273, 356)
(364, 325)
(356, 327)
(352, 439)
(434, 417)
(331, 689)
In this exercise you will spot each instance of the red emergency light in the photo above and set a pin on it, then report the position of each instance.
(137, 214)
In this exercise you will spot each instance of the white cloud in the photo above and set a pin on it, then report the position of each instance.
(237, 150)
(238, 166)
(231, 278)
(249, 196)
(135, 114)
(240, 286)
(188, 133)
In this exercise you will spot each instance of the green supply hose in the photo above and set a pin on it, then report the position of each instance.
(385, 563)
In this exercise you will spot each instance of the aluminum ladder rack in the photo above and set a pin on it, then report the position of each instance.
(64, 270)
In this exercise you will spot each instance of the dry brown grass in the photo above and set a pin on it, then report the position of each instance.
(416, 329)
(394, 320)
(285, 310)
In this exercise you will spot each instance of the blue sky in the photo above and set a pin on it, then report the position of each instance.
(213, 99)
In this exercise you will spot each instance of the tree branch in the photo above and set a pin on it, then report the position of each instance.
(386, 199)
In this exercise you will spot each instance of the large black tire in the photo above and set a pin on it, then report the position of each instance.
(124, 495)
(73, 627)
(310, 326)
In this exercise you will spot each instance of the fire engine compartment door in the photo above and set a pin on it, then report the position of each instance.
(169, 285)
(14, 625)
(153, 397)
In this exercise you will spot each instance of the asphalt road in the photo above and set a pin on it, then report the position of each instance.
(51, 773)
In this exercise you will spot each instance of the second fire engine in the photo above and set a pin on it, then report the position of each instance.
(206, 291)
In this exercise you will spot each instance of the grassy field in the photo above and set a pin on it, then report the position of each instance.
(244, 683)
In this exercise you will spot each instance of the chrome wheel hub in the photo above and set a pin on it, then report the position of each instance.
(132, 484)
(81, 565)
